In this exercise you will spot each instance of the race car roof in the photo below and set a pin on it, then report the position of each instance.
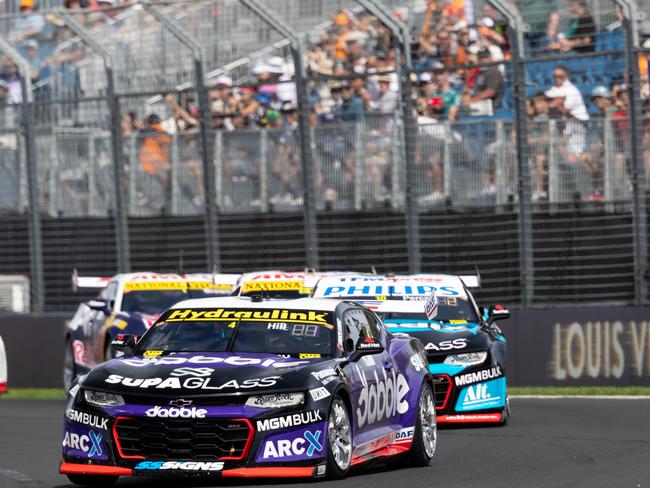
(246, 302)
(389, 286)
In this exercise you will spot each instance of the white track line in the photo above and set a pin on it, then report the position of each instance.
(582, 397)
(25, 481)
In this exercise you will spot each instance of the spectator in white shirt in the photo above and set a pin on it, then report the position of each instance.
(567, 100)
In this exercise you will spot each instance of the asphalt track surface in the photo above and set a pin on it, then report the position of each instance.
(549, 443)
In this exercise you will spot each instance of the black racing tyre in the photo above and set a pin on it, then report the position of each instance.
(505, 415)
(69, 367)
(92, 480)
(425, 435)
(339, 440)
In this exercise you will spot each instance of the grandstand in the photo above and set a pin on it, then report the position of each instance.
(169, 92)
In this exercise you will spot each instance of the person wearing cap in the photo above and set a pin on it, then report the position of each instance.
(388, 100)
(600, 96)
(31, 56)
(351, 108)
(29, 24)
(486, 88)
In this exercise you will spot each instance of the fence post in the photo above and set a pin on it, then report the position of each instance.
(501, 166)
(209, 179)
(402, 34)
(554, 182)
(117, 144)
(446, 161)
(516, 27)
(218, 163)
(631, 13)
(306, 142)
(610, 185)
(264, 171)
(358, 166)
(174, 175)
(33, 196)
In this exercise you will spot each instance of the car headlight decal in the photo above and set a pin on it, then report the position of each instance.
(103, 399)
(276, 400)
(466, 359)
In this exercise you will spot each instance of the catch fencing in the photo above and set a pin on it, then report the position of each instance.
(549, 209)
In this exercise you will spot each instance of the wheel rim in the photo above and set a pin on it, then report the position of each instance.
(68, 368)
(340, 435)
(428, 423)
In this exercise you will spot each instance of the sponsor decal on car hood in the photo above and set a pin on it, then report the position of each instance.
(201, 373)
(443, 338)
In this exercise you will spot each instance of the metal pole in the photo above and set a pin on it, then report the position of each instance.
(516, 25)
(401, 33)
(35, 237)
(307, 156)
(117, 144)
(630, 10)
(209, 177)
(305, 136)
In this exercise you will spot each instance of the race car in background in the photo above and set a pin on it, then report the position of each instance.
(3, 367)
(245, 387)
(128, 304)
(281, 284)
(466, 349)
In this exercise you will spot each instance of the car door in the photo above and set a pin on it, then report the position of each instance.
(369, 396)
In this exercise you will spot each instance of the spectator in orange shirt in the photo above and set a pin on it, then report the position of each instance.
(154, 153)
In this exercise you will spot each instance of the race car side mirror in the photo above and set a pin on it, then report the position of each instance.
(99, 305)
(498, 312)
(123, 345)
(364, 347)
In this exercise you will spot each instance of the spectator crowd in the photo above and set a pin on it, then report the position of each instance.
(459, 74)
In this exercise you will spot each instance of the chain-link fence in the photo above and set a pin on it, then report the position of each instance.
(400, 136)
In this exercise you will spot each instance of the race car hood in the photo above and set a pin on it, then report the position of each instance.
(202, 374)
(442, 338)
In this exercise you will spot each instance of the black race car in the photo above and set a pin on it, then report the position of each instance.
(241, 387)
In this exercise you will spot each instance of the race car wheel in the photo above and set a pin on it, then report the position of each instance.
(339, 440)
(69, 368)
(505, 415)
(425, 435)
(92, 480)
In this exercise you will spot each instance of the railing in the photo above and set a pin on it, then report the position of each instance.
(76, 147)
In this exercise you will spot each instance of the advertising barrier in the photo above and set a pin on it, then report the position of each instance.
(587, 346)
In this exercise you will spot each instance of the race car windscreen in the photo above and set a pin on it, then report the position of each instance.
(297, 333)
(450, 309)
(151, 301)
(275, 289)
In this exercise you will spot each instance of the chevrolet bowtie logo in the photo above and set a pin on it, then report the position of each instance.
(180, 403)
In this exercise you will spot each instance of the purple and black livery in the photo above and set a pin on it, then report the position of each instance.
(240, 387)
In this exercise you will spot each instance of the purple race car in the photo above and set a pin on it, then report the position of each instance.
(245, 387)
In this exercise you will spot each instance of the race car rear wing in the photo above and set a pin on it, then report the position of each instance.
(94, 282)
(471, 281)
